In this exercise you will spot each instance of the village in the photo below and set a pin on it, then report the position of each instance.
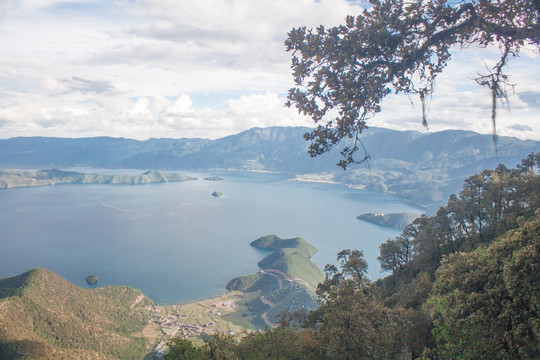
(181, 321)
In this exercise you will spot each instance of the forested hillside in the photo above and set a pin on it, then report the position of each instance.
(43, 316)
(464, 285)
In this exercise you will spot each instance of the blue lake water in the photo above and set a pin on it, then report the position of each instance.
(175, 241)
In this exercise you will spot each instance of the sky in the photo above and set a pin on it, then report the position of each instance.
(207, 68)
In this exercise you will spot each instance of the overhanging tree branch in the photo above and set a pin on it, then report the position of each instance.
(343, 73)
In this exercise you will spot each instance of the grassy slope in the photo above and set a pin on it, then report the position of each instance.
(295, 296)
(45, 316)
(291, 256)
(273, 242)
(252, 282)
(295, 264)
(291, 292)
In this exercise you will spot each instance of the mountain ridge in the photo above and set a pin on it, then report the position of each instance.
(44, 316)
(423, 168)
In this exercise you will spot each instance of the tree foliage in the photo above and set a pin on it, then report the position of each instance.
(353, 275)
(343, 73)
(490, 203)
(180, 349)
(486, 302)
(395, 253)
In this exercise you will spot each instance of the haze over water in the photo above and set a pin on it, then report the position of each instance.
(175, 241)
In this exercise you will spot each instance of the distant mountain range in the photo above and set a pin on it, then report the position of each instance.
(420, 167)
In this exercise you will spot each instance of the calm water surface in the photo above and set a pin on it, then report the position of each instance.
(175, 241)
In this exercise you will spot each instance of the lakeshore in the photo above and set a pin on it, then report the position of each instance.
(324, 178)
(170, 229)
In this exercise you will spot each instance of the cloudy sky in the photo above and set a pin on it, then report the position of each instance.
(205, 68)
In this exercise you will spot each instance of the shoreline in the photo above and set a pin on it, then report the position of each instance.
(10, 179)
(324, 178)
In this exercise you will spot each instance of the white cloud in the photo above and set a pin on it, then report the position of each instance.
(143, 117)
(181, 105)
(82, 75)
(138, 68)
(29, 5)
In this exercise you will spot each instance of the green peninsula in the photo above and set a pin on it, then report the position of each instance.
(393, 220)
(287, 280)
(16, 178)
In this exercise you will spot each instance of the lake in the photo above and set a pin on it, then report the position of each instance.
(175, 241)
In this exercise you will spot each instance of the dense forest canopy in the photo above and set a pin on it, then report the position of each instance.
(464, 284)
(342, 73)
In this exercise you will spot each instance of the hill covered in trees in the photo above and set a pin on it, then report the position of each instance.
(43, 316)
(464, 285)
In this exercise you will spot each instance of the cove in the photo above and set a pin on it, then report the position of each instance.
(175, 241)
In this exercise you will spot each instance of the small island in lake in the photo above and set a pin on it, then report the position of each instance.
(213, 178)
(393, 220)
(91, 279)
(217, 194)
